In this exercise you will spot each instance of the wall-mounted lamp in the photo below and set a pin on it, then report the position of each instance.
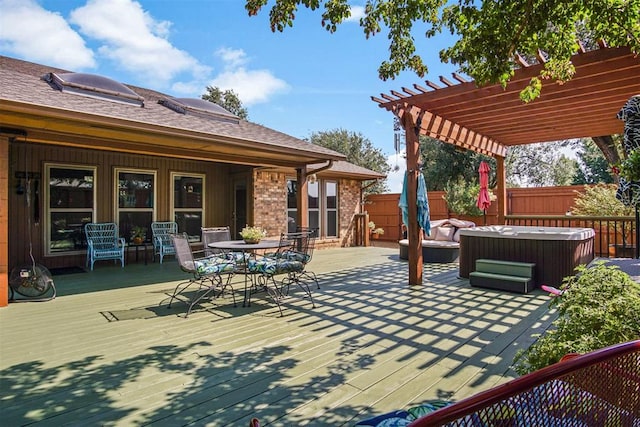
(312, 179)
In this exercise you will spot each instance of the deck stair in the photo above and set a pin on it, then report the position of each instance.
(503, 275)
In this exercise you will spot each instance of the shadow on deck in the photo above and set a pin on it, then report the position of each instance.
(371, 345)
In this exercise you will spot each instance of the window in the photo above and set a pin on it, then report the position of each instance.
(331, 208)
(322, 206)
(69, 203)
(292, 205)
(188, 203)
(136, 201)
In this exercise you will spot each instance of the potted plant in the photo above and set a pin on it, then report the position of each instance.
(252, 235)
(375, 231)
(138, 234)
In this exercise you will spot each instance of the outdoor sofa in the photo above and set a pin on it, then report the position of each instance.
(443, 242)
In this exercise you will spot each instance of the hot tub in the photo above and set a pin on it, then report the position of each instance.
(556, 251)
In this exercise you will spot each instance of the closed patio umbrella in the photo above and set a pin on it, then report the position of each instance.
(422, 203)
(484, 201)
(629, 192)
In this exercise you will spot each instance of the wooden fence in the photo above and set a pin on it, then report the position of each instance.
(383, 208)
(540, 206)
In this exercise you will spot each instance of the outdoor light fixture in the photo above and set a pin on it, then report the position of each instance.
(312, 179)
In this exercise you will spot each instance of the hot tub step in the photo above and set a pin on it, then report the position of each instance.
(508, 268)
(501, 282)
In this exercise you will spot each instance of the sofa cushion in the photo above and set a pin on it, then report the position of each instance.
(445, 233)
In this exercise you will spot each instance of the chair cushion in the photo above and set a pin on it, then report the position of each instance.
(213, 265)
(273, 266)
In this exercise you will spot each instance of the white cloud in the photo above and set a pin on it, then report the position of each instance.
(233, 58)
(134, 40)
(28, 30)
(251, 86)
(357, 12)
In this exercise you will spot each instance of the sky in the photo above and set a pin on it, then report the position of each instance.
(300, 81)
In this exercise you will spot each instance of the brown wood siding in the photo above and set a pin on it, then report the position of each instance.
(32, 157)
(4, 221)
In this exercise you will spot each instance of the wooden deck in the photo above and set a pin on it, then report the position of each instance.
(371, 345)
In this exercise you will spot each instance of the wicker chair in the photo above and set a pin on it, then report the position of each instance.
(161, 232)
(103, 242)
(207, 273)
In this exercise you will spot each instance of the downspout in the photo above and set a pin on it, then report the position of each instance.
(323, 168)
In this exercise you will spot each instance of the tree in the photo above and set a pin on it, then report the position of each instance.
(358, 150)
(226, 99)
(593, 168)
(444, 163)
(539, 165)
(491, 34)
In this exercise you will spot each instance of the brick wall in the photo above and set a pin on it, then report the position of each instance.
(349, 205)
(270, 201)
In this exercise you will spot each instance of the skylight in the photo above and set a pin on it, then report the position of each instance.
(94, 86)
(199, 107)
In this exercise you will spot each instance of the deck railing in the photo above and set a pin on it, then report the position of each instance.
(616, 236)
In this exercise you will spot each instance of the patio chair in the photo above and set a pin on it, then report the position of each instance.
(313, 234)
(597, 388)
(161, 232)
(103, 243)
(220, 234)
(290, 259)
(207, 273)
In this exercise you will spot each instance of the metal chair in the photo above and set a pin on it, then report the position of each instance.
(214, 234)
(161, 232)
(103, 242)
(290, 259)
(220, 234)
(313, 234)
(207, 273)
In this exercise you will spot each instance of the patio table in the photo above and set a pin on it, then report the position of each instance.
(246, 249)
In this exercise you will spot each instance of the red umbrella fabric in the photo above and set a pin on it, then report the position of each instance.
(484, 201)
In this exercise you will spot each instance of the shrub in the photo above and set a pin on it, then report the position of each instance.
(600, 200)
(598, 308)
(461, 197)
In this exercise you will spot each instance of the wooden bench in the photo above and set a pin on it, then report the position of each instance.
(503, 275)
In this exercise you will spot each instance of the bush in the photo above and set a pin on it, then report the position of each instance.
(461, 197)
(600, 200)
(600, 307)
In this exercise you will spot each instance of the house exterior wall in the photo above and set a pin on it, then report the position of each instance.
(270, 201)
(349, 203)
(32, 157)
(4, 221)
(270, 206)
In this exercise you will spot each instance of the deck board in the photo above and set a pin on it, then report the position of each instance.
(371, 345)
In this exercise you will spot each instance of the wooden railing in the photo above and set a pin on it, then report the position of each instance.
(616, 236)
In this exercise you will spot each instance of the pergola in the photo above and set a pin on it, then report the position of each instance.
(489, 119)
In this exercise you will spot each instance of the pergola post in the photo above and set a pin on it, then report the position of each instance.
(501, 178)
(412, 131)
(302, 218)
